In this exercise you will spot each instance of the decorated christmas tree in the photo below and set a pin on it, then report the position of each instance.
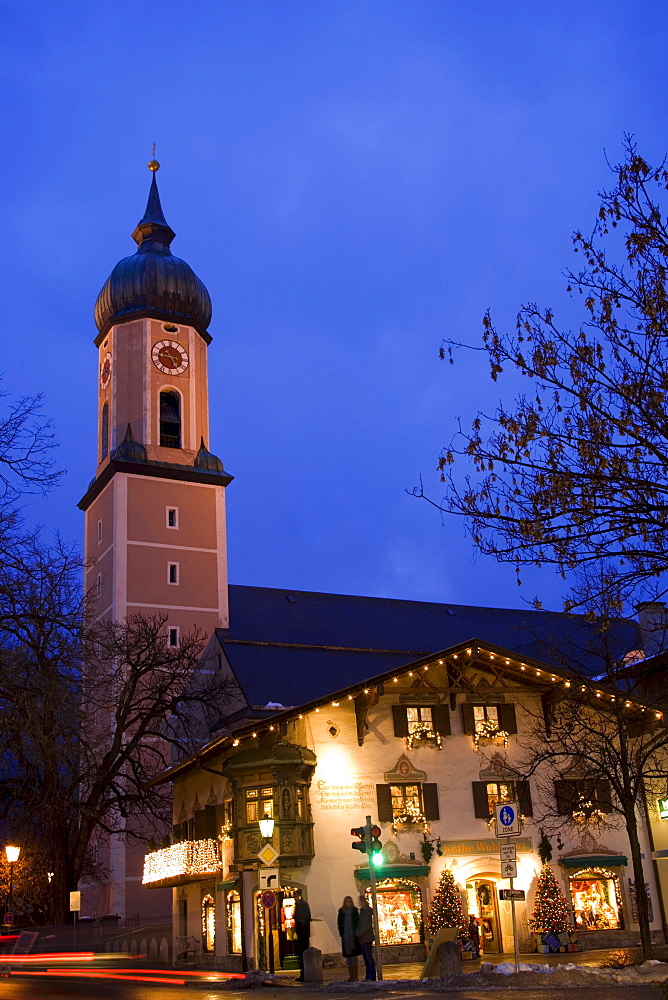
(446, 906)
(549, 911)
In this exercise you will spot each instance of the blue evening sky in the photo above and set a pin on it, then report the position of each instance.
(353, 180)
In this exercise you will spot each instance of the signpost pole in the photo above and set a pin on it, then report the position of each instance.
(374, 899)
(508, 824)
(270, 939)
(514, 918)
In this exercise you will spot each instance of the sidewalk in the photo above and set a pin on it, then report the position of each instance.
(413, 970)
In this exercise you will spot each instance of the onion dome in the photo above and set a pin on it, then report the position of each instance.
(152, 282)
(205, 460)
(129, 450)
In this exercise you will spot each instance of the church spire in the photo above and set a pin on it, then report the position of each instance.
(153, 234)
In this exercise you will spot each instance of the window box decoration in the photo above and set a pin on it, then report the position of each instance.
(488, 734)
(423, 736)
(411, 817)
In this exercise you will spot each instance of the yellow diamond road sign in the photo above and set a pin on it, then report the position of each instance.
(267, 855)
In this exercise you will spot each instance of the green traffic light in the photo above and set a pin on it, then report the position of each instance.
(377, 860)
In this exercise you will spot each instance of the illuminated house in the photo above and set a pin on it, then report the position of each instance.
(425, 749)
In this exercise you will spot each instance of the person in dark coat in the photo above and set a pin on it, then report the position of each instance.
(366, 937)
(347, 921)
(302, 919)
(474, 934)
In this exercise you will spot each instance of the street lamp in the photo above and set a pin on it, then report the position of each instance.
(12, 855)
(267, 826)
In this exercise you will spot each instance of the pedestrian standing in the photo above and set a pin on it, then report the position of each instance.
(474, 934)
(348, 921)
(302, 919)
(366, 938)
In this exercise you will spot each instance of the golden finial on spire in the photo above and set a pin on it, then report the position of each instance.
(153, 163)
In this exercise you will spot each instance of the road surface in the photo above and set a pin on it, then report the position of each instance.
(18, 988)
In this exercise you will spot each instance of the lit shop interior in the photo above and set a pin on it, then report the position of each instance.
(399, 911)
(596, 899)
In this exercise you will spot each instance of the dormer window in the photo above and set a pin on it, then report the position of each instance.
(170, 419)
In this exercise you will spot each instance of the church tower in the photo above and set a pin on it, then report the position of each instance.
(155, 540)
(155, 512)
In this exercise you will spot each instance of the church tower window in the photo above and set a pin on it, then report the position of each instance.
(104, 432)
(170, 419)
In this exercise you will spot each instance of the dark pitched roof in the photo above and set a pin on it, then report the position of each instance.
(292, 646)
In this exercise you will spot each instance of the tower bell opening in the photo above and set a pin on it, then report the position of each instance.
(170, 419)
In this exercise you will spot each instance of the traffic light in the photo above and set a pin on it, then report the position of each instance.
(359, 831)
(376, 847)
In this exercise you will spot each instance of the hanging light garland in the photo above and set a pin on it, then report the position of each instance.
(189, 857)
(487, 729)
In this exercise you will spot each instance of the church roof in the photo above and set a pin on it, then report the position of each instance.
(152, 282)
(293, 647)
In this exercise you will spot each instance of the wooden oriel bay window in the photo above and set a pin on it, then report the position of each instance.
(259, 803)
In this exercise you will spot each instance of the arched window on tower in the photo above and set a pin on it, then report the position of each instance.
(104, 432)
(170, 419)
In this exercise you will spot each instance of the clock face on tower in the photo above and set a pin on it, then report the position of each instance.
(105, 370)
(169, 357)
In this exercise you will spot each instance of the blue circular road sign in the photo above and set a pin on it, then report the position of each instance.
(507, 816)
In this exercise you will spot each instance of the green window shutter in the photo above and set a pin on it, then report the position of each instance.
(603, 795)
(210, 822)
(430, 801)
(468, 719)
(480, 801)
(523, 793)
(565, 792)
(384, 801)
(441, 716)
(507, 720)
(400, 720)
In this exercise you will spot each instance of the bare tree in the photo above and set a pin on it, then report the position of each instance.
(575, 471)
(598, 749)
(92, 711)
(26, 455)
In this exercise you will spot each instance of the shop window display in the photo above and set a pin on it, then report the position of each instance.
(399, 912)
(208, 924)
(234, 923)
(597, 900)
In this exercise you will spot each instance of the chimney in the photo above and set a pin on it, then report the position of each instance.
(653, 620)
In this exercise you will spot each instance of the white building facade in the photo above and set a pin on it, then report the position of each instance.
(426, 751)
